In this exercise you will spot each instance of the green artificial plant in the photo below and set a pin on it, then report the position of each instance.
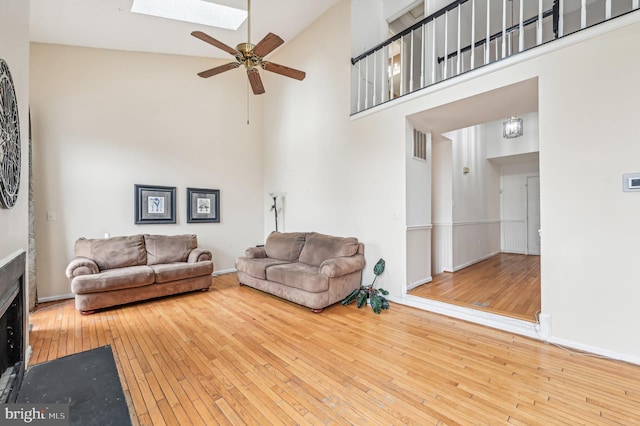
(369, 292)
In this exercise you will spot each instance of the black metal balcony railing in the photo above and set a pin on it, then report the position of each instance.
(465, 35)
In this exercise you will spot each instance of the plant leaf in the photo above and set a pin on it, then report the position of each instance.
(362, 299)
(383, 291)
(351, 297)
(385, 303)
(376, 304)
(379, 267)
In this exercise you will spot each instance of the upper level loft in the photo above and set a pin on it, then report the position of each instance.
(427, 48)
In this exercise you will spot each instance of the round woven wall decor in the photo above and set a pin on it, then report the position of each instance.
(9, 139)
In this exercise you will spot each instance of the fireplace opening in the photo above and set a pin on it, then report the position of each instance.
(12, 326)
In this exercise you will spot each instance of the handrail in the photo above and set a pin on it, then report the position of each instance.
(478, 43)
(403, 33)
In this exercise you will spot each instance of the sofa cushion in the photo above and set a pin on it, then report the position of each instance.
(319, 247)
(256, 267)
(168, 272)
(299, 275)
(285, 245)
(116, 252)
(113, 279)
(169, 248)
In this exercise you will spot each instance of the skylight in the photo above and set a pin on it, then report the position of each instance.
(194, 11)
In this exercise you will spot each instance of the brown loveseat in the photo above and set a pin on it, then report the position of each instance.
(310, 269)
(113, 271)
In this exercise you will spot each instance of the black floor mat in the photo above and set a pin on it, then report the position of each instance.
(88, 381)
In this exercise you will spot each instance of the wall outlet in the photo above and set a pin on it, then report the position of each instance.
(51, 216)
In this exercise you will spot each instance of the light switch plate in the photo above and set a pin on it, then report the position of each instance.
(631, 182)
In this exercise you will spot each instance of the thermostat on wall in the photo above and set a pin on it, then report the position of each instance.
(631, 182)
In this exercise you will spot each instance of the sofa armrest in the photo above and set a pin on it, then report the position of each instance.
(198, 255)
(255, 253)
(339, 266)
(81, 266)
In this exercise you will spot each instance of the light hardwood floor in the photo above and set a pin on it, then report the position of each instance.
(234, 355)
(505, 284)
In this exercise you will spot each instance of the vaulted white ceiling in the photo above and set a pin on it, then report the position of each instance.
(110, 24)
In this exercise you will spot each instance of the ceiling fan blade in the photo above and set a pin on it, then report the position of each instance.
(217, 70)
(267, 45)
(282, 70)
(256, 81)
(208, 39)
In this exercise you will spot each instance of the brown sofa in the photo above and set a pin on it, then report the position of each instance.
(114, 271)
(310, 269)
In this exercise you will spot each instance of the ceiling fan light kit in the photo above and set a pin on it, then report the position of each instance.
(251, 56)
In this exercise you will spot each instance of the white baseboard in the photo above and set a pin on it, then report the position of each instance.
(512, 325)
(419, 283)
(594, 350)
(533, 330)
(224, 271)
(513, 251)
(54, 298)
(473, 262)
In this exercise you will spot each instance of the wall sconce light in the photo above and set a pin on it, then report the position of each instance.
(512, 128)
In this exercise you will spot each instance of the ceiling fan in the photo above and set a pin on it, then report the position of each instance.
(251, 56)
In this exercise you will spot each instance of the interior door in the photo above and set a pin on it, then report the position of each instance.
(533, 215)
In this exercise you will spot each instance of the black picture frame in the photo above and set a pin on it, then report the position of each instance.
(203, 205)
(154, 204)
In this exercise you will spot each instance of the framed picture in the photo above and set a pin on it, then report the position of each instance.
(203, 205)
(155, 204)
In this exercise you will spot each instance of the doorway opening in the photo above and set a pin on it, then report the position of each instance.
(485, 206)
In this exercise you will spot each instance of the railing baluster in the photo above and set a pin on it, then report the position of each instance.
(446, 40)
(366, 82)
(423, 53)
(583, 14)
(434, 62)
(375, 69)
(383, 64)
(521, 27)
(458, 63)
(358, 103)
(607, 8)
(390, 73)
(561, 18)
(473, 35)
(539, 24)
(411, 63)
(401, 65)
(487, 40)
(504, 27)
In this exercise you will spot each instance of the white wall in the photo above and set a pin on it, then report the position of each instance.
(14, 49)
(476, 199)
(105, 120)
(418, 218)
(442, 207)
(368, 25)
